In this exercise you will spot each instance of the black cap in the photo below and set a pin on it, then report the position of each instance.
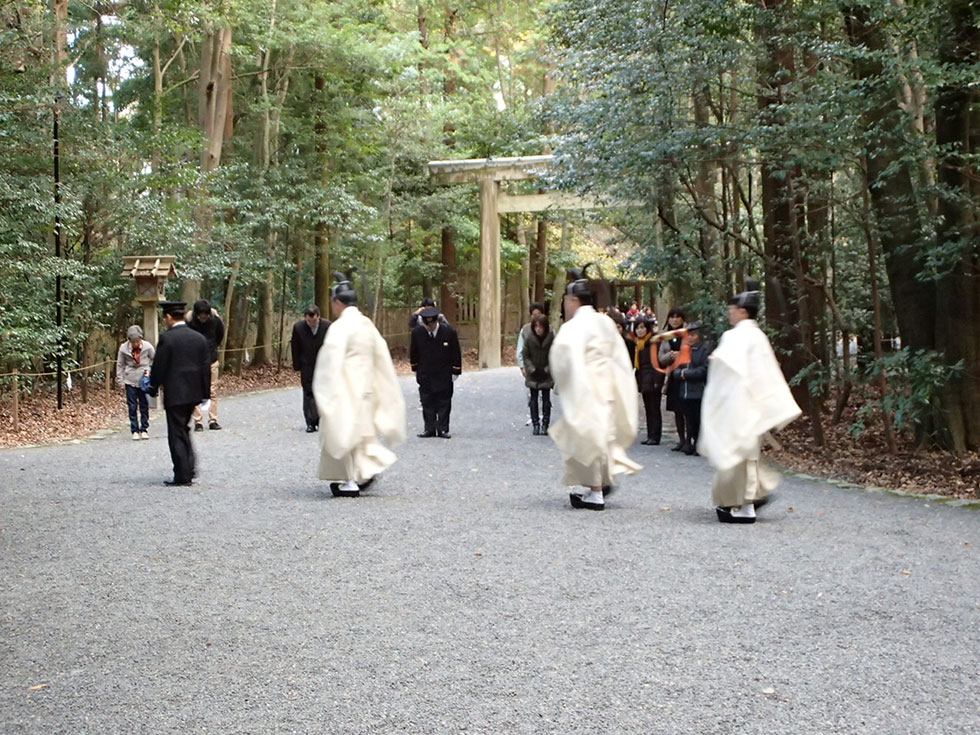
(429, 312)
(750, 299)
(343, 291)
(174, 308)
(694, 327)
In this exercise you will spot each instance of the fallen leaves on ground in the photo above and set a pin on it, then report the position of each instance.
(864, 459)
(42, 423)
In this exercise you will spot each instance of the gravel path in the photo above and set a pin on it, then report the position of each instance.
(463, 594)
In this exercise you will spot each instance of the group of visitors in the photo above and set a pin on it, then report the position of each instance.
(599, 367)
(746, 397)
(656, 362)
(135, 359)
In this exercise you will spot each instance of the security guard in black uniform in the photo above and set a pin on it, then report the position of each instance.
(437, 362)
(182, 365)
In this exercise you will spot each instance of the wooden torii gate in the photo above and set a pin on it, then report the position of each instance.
(488, 173)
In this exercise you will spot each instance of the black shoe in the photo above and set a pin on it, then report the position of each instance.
(725, 516)
(175, 483)
(426, 434)
(444, 435)
(366, 484)
(761, 502)
(544, 428)
(214, 426)
(608, 490)
(679, 447)
(536, 431)
(578, 502)
(310, 428)
(198, 427)
(651, 442)
(689, 450)
(338, 493)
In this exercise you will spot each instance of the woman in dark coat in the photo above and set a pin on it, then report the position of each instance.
(649, 381)
(537, 372)
(669, 351)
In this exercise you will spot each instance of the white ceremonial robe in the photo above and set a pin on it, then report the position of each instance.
(594, 377)
(746, 396)
(358, 398)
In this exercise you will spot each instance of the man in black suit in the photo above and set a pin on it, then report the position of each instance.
(437, 362)
(308, 334)
(182, 366)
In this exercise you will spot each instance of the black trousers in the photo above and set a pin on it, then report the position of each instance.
(310, 412)
(545, 405)
(651, 406)
(437, 403)
(681, 429)
(136, 398)
(692, 419)
(179, 439)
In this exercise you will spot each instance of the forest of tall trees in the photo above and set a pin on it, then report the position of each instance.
(825, 148)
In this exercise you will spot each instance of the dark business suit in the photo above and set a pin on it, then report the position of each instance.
(435, 360)
(305, 346)
(183, 368)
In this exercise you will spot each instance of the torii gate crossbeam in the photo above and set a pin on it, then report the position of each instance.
(488, 173)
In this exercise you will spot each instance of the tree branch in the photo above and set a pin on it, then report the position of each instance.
(173, 56)
(193, 77)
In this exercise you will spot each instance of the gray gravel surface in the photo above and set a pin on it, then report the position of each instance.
(463, 594)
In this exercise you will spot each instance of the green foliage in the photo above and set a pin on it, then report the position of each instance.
(917, 379)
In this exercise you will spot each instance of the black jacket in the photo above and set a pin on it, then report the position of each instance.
(648, 378)
(305, 346)
(694, 376)
(435, 360)
(535, 358)
(182, 367)
(213, 331)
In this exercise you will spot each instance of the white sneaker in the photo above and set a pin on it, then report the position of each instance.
(144, 435)
(136, 436)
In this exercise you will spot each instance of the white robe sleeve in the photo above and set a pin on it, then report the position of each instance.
(746, 395)
(389, 403)
(333, 397)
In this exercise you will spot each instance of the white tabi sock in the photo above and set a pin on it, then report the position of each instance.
(594, 496)
(349, 486)
(746, 511)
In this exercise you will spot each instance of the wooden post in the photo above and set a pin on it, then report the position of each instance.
(489, 343)
(16, 406)
(108, 378)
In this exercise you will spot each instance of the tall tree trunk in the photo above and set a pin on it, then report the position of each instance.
(893, 182)
(958, 132)
(266, 140)
(321, 234)
(883, 388)
(447, 290)
(215, 119)
(541, 260)
(525, 266)
(779, 203)
(706, 176)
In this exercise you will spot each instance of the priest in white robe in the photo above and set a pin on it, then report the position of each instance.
(594, 377)
(745, 398)
(358, 398)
